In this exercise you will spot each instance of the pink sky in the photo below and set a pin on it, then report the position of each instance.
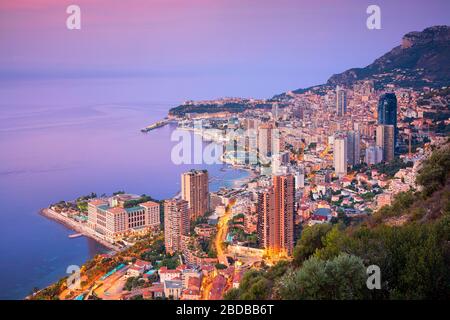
(293, 42)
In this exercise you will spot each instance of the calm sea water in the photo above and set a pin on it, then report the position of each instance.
(60, 139)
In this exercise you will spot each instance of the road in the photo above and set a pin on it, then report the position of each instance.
(222, 230)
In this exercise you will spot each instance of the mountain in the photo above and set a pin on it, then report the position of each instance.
(422, 59)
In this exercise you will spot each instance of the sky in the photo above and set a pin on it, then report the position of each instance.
(251, 47)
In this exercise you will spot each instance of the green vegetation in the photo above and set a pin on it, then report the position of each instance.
(330, 261)
(435, 171)
(135, 202)
(392, 167)
(80, 204)
(236, 229)
(342, 277)
(258, 284)
(402, 201)
(133, 283)
(213, 108)
(93, 269)
(156, 254)
(220, 266)
(207, 245)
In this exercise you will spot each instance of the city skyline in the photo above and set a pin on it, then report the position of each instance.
(224, 150)
(269, 48)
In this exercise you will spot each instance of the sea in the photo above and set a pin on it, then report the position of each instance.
(63, 138)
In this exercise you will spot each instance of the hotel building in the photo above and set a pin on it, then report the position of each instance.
(112, 219)
(195, 190)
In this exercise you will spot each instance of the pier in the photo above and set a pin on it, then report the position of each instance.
(156, 125)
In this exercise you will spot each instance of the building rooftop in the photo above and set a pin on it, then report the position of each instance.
(149, 204)
(325, 212)
(116, 210)
(97, 202)
(133, 209)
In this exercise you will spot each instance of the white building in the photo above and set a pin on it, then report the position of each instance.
(374, 155)
(340, 156)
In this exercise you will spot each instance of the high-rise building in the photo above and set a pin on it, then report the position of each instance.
(266, 216)
(386, 139)
(387, 112)
(266, 135)
(353, 148)
(275, 111)
(341, 101)
(195, 190)
(299, 180)
(276, 216)
(176, 224)
(340, 155)
(374, 155)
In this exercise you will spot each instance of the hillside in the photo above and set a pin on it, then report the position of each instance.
(409, 241)
(422, 59)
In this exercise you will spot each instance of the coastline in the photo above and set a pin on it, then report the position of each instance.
(85, 231)
(77, 227)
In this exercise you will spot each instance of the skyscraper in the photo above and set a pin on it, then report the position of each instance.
(265, 140)
(387, 112)
(385, 139)
(275, 111)
(353, 148)
(266, 216)
(374, 155)
(276, 216)
(341, 101)
(176, 224)
(195, 190)
(340, 155)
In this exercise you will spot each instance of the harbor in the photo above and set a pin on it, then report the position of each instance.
(156, 125)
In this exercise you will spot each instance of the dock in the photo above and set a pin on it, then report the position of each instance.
(157, 125)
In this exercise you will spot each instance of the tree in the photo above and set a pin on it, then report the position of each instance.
(309, 242)
(435, 171)
(232, 294)
(341, 278)
(259, 290)
(254, 286)
(333, 243)
(220, 266)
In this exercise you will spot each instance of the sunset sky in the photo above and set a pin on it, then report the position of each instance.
(267, 45)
